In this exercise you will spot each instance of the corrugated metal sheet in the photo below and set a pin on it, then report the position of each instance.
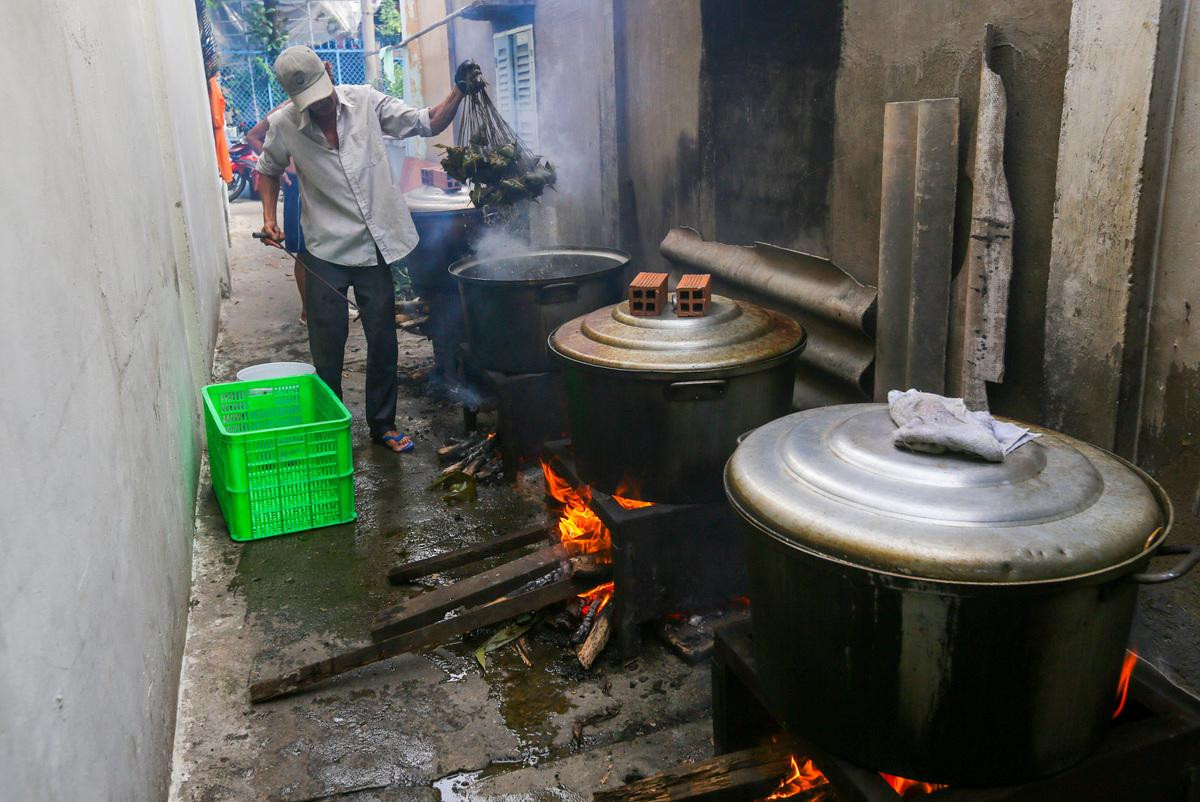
(916, 244)
(836, 310)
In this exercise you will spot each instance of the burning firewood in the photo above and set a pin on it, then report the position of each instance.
(457, 449)
(490, 469)
(452, 450)
(585, 626)
(473, 458)
(413, 324)
(749, 774)
(590, 566)
(596, 639)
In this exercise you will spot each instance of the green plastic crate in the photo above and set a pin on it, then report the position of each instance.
(280, 455)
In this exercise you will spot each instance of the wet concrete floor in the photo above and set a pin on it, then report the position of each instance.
(416, 727)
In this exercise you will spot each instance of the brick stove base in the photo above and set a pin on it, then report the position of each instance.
(667, 558)
(1152, 753)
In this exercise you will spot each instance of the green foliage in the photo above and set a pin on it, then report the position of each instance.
(402, 281)
(260, 14)
(395, 87)
(389, 27)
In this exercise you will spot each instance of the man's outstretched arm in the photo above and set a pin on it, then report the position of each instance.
(441, 115)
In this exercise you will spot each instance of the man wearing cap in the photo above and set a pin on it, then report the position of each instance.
(355, 221)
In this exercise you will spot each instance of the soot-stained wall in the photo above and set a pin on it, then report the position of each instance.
(725, 121)
(768, 73)
(658, 46)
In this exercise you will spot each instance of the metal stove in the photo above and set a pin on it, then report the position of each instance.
(531, 409)
(667, 558)
(1152, 752)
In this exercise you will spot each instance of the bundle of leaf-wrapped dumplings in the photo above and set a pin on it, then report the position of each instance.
(490, 155)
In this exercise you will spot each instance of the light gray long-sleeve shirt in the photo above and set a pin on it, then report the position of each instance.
(349, 204)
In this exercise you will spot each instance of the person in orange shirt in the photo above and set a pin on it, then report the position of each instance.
(216, 105)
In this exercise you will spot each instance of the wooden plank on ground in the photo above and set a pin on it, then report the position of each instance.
(749, 774)
(426, 637)
(430, 607)
(407, 572)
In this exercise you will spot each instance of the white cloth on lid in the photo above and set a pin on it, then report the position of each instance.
(935, 424)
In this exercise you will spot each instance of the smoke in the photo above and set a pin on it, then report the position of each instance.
(496, 242)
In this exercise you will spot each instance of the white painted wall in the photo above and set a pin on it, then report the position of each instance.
(114, 242)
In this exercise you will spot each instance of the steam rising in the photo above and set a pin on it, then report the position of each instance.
(497, 243)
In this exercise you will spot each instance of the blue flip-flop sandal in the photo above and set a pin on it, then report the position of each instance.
(406, 443)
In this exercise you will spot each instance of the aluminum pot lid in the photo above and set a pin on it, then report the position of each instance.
(830, 481)
(433, 199)
(732, 334)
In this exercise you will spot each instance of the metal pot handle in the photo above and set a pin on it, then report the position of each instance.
(705, 390)
(1180, 568)
(560, 292)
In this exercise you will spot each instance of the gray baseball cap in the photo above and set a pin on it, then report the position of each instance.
(302, 75)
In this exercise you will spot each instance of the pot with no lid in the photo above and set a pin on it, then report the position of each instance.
(511, 303)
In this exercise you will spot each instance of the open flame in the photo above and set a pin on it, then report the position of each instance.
(802, 778)
(906, 787)
(582, 532)
(599, 595)
(809, 778)
(1131, 659)
(579, 529)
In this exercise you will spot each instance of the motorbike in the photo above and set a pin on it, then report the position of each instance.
(244, 160)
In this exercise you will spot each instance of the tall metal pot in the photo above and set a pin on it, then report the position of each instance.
(512, 303)
(447, 224)
(656, 404)
(940, 617)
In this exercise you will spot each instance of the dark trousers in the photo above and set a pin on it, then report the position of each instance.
(328, 325)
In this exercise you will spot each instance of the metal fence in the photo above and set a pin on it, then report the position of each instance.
(251, 89)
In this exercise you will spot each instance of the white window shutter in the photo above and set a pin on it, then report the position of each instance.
(516, 82)
(504, 73)
(525, 87)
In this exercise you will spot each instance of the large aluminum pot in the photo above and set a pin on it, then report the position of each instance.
(447, 224)
(941, 617)
(656, 404)
(512, 303)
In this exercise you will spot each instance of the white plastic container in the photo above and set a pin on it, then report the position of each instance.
(275, 370)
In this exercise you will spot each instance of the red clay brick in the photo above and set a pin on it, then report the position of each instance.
(648, 294)
(692, 295)
(438, 178)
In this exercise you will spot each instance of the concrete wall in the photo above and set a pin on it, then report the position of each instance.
(1105, 190)
(1168, 446)
(114, 236)
(767, 77)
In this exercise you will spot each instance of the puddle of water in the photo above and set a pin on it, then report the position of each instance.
(462, 787)
(529, 698)
(458, 787)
